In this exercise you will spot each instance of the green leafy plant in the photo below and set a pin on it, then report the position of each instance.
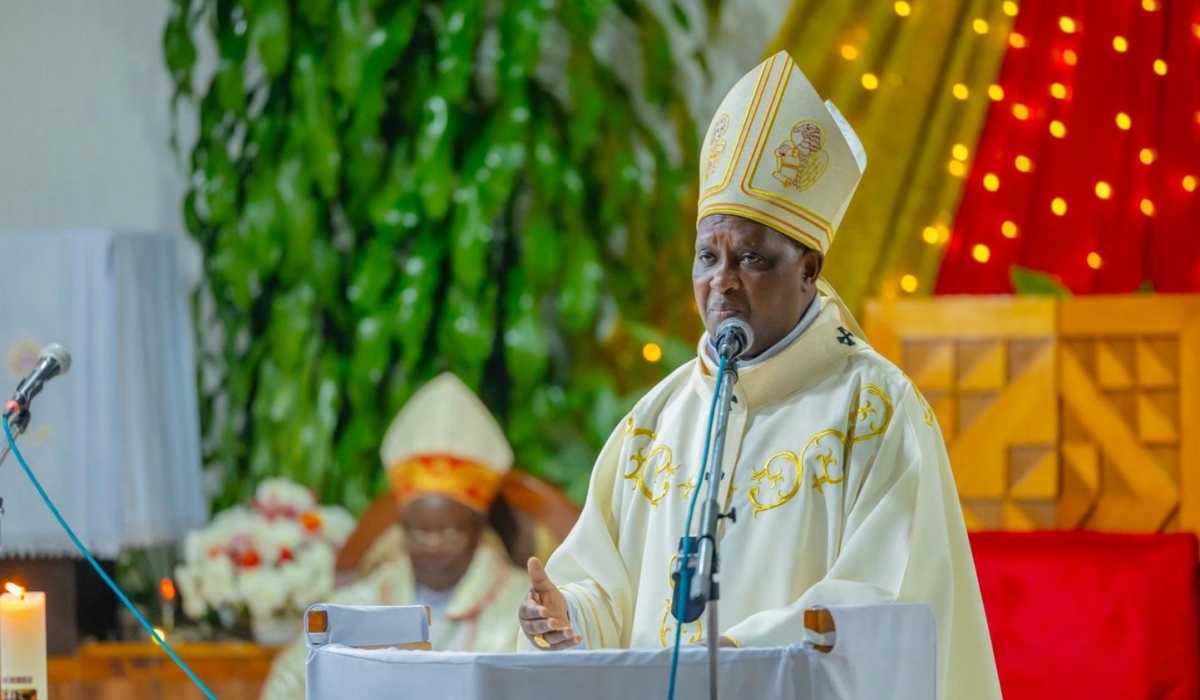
(1032, 282)
(386, 189)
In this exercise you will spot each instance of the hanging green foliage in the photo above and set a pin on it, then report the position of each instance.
(387, 189)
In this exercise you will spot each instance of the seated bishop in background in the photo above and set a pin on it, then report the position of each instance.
(446, 458)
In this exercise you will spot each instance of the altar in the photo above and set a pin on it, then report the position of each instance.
(849, 652)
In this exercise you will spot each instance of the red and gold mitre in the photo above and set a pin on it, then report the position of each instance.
(445, 441)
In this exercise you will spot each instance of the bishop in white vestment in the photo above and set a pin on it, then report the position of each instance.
(833, 460)
(446, 458)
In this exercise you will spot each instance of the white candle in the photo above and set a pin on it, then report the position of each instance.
(23, 644)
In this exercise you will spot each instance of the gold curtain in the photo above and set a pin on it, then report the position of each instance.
(898, 72)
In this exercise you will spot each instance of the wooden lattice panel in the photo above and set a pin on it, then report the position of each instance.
(1129, 413)
(987, 366)
(1065, 413)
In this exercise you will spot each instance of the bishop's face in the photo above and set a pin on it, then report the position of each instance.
(746, 270)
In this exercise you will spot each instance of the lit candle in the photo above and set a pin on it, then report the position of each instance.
(22, 644)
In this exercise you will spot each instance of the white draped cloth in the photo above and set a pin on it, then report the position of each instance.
(115, 442)
(879, 651)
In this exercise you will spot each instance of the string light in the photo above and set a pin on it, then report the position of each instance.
(1023, 164)
(980, 26)
(903, 9)
(957, 169)
(1057, 129)
(908, 283)
(1020, 111)
(929, 235)
(652, 352)
(1189, 183)
(981, 253)
(1120, 44)
(849, 52)
(1149, 5)
(1070, 58)
(1058, 90)
(1103, 190)
(1017, 41)
(1147, 155)
(1196, 30)
(960, 152)
(1123, 121)
(1067, 25)
(996, 92)
(960, 91)
(869, 81)
(1010, 8)
(991, 183)
(1058, 206)
(943, 232)
(1160, 66)
(1009, 229)
(1147, 207)
(1094, 261)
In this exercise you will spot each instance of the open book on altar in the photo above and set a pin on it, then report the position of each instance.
(849, 652)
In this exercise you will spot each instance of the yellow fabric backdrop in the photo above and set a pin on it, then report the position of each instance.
(909, 123)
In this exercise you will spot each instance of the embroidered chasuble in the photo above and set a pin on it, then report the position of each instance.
(478, 616)
(843, 490)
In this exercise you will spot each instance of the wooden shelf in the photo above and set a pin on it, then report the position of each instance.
(143, 671)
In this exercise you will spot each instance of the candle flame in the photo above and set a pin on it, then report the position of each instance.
(14, 589)
(167, 588)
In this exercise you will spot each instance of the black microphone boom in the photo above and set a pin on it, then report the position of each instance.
(53, 361)
(734, 337)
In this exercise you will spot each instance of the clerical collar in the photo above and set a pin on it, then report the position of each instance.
(806, 320)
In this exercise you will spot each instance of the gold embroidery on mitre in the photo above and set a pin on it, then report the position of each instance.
(802, 159)
(716, 144)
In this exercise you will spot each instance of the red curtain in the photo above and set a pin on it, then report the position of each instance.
(1120, 81)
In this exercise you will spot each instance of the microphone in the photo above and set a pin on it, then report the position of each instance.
(734, 337)
(53, 361)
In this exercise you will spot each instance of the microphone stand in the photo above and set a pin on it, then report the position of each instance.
(703, 562)
(17, 424)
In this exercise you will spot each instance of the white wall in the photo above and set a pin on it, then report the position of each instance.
(85, 117)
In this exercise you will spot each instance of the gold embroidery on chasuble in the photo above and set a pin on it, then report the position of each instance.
(777, 481)
(693, 632)
(928, 409)
(653, 465)
(802, 159)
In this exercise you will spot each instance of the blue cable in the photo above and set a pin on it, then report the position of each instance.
(684, 579)
(91, 560)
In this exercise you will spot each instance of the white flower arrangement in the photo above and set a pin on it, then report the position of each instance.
(271, 559)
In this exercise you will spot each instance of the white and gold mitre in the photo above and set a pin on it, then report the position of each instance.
(776, 154)
(445, 441)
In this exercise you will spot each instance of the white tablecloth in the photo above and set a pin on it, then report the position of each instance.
(879, 652)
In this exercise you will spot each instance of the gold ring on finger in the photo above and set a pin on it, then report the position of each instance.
(540, 641)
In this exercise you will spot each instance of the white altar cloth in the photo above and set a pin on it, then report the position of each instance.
(885, 651)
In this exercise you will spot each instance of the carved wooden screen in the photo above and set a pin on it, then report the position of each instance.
(1060, 413)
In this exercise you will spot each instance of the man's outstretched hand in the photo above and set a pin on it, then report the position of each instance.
(545, 618)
